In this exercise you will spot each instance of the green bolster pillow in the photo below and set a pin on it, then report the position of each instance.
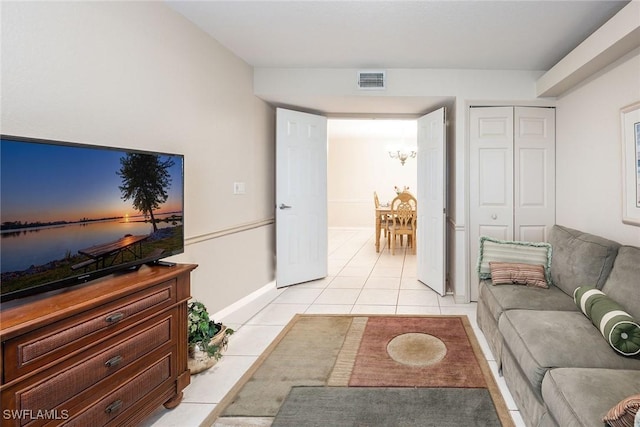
(616, 326)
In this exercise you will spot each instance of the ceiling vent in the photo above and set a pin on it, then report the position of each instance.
(371, 80)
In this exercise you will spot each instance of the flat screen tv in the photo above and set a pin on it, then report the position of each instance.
(71, 212)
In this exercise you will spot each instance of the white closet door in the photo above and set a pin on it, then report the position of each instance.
(491, 180)
(512, 177)
(534, 168)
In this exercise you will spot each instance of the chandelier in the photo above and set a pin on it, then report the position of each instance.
(402, 154)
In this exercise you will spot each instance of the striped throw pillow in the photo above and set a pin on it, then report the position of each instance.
(624, 413)
(617, 326)
(518, 274)
(494, 250)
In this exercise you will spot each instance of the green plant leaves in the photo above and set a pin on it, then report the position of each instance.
(202, 329)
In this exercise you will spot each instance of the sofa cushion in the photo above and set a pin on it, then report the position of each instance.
(509, 297)
(507, 273)
(580, 259)
(494, 250)
(623, 284)
(617, 326)
(541, 340)
(582, 397)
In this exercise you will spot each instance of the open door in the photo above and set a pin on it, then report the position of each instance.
(431, 248)
(301, 197)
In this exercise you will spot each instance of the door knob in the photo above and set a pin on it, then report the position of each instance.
(283, 206)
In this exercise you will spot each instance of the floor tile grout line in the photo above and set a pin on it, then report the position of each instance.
(343, 267)
(370, 272)
(404, 259)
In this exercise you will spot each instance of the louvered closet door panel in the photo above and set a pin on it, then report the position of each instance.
(534, 173)
(491, 179)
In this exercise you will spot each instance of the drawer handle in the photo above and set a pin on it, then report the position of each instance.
(113, 318)
(113, 407)
(114, 361)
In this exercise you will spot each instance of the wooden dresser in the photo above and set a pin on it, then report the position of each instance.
(107, 352)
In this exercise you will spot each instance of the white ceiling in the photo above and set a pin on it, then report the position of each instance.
(384, 34)
(508, 35)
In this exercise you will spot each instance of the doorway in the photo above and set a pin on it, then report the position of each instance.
(297, 133)
(359, 164)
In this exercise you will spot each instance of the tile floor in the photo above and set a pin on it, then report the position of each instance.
(360, 281)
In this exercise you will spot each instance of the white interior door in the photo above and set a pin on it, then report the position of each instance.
(431, 245)
(490, 179)
(301, 197)
(534, 176)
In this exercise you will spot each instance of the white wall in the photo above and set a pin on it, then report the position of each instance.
(589, 151)
(359, 164)
(139, 75)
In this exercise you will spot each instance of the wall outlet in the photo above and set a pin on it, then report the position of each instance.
(239, 188)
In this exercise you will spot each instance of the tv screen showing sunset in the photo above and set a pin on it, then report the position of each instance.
(69, 210)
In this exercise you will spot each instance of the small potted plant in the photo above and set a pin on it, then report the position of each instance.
(207, 338)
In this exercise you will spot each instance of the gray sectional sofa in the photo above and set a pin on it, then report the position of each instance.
(558, 366)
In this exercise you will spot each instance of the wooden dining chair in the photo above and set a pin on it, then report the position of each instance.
(405, 196)
(376, 200)
(403, 222)
(384, 218)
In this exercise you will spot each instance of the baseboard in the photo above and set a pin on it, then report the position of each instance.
(266, 293)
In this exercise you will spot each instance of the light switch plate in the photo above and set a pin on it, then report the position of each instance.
(239, 188)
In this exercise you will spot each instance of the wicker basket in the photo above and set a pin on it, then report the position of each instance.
(199, 360)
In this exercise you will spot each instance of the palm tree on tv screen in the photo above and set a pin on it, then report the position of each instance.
(145, 180)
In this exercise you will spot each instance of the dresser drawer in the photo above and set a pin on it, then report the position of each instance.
(48, 394)
(27, 352)
(117, 402)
